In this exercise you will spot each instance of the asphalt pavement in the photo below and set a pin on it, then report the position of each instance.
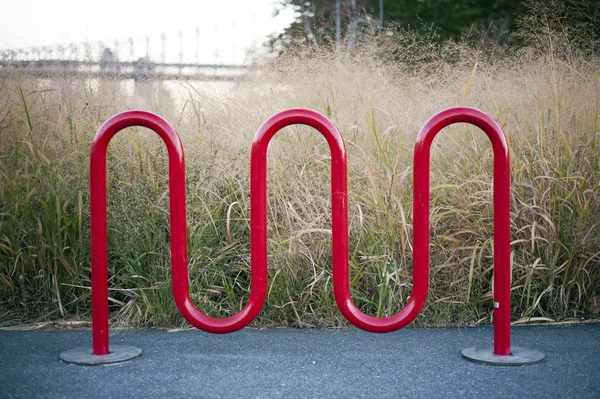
(331, 363)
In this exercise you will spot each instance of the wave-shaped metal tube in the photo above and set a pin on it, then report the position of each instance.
(258, 216)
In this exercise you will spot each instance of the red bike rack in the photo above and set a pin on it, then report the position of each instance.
(100, 353)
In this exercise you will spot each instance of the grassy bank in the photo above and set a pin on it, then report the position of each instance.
(547, 106)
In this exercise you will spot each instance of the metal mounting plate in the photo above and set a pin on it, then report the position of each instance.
(518, 356)
(83, 356)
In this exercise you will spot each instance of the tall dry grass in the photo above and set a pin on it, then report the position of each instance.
(548, 107)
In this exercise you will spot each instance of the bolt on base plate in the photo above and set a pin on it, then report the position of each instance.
(83, 356)
(518, 356)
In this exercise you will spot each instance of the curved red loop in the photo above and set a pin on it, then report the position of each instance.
(179, 256)
(339, 220)
(502, 269)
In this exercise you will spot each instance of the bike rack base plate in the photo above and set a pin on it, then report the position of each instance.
(518, 356)
(83, 356)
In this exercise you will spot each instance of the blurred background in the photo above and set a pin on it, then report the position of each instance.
(148, 37)
(379, 69)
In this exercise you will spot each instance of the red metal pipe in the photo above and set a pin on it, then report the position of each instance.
(339, 221)
(502, 267)
(258, 215)
(179, 257)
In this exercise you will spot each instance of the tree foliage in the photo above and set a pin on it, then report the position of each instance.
(450, 18)
(500, 20)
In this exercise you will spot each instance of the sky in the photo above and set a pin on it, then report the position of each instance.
(226, 29)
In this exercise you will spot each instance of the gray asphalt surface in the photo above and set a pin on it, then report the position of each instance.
(412, 362)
